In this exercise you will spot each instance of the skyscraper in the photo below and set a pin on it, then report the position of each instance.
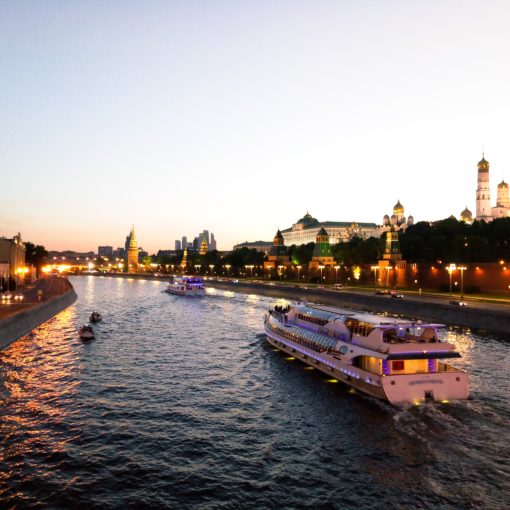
(212, 244)
(184, 242)
(177, 244)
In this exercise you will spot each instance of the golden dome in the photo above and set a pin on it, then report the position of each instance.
(398, 208)
(503, 184)
(483, 164)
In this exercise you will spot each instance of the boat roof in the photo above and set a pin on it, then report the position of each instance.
(331, 312)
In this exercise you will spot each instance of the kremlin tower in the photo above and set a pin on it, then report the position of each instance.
(483, 192)
(132, 252)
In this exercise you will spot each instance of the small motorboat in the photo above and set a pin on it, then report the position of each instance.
(95, 317)
(86, 332)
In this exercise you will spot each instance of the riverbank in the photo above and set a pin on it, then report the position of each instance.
(48, 297)
(479, 316)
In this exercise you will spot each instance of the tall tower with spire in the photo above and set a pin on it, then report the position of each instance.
(483, 192)
(132, 252)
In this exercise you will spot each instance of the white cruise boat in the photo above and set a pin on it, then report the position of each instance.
(394, 360)
(186, 286)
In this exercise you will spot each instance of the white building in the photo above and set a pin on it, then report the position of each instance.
(484, 211)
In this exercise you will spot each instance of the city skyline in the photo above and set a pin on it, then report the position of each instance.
(173, 115)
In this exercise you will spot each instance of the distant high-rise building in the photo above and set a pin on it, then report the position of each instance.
(205, 235)
(212, 244)
(196, 243)
(184, 243)
(177, 244)
(105, 251)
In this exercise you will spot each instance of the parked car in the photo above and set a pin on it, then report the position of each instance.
(338, 286)
(382, 292)
(395, 294)
(458, 303)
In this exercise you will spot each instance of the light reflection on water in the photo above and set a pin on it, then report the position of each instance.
(181, 403)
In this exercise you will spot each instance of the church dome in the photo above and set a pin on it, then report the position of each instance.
(466, 215)
(483, 165)
(393, 218)
(398, 208)
(410, 220)
(386, 220)
(503, 184)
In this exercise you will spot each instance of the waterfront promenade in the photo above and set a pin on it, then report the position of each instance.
(41, 301)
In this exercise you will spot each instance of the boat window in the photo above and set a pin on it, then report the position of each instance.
(390, 336)
(397, 365)
(343, 349)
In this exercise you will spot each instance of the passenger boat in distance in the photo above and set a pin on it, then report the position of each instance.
(394, 360)
(86, 333)
(186, 286)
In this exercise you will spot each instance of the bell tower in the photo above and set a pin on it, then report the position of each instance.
(483, 192)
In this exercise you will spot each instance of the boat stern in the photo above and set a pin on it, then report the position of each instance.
(417, 388)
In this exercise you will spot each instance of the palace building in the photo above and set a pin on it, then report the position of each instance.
(305, 230)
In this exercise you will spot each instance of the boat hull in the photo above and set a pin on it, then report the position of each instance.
(396, 389)
(314, 360)
(191, 293)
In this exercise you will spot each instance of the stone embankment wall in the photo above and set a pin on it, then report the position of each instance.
(15, 326)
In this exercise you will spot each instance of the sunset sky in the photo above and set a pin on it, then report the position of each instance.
(240, 116)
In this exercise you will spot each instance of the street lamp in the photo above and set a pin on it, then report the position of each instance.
(250, 267)
(228, 266)
(321, 268)
(462, 269)
(211, 267)
(336, 273)
(280, 272)
(388, 268)
(374, 269)
(298, 269)
(197, 267)
(451, 268)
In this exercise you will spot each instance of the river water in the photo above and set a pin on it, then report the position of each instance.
(181, 403)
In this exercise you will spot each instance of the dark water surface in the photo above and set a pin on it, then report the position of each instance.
(180, 403)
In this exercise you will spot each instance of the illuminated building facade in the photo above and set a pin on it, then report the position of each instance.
(278, 255)
(397, 221)
(305, 230)
(484, 211)
(322, 254)
(132, 252)
(12, 252)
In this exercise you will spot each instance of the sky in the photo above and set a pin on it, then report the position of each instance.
(240, 116)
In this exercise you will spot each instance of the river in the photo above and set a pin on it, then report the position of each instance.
(181, 403)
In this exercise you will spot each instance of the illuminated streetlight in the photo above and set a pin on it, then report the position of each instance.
(197, 268)
(388, 268)
(250, 267)
(336, 273)
(451, 268)
(280, 272)
(298, 269)
(211, 267)
(228, 266)
(374, 269)
(462, 269)
(321, 268)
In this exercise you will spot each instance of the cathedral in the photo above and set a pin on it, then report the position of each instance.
(484, 210)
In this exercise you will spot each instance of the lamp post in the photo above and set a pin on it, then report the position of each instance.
(388, 268)
(211, 267)
(228, 266)
(298, 269)
(250, 267)
(451, 268)
(321, 268)
(374, 269)
(462, 269)
(280, 272)
(197, 268)
(336, 273)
